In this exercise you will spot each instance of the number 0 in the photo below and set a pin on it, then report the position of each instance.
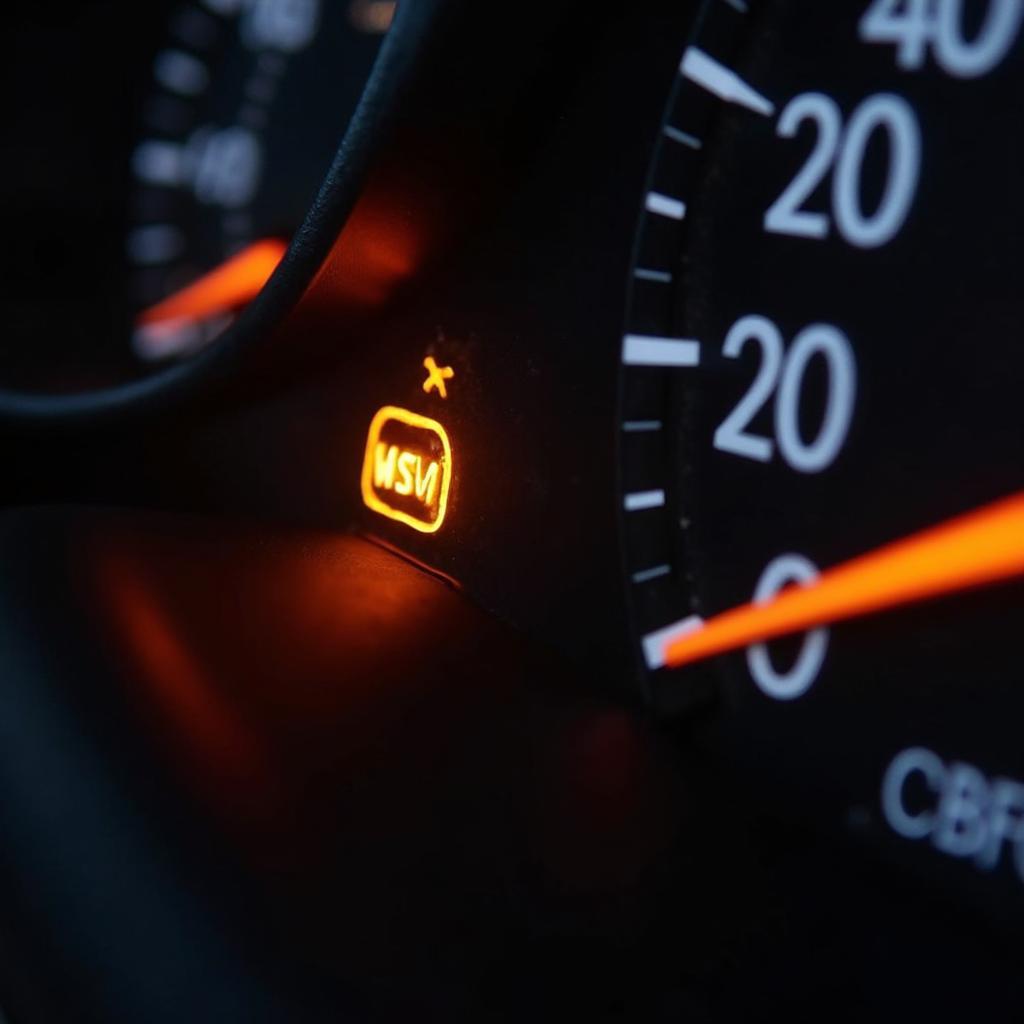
(797, 680)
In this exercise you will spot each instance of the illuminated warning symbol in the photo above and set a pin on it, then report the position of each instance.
(436, 377)
(407, 468)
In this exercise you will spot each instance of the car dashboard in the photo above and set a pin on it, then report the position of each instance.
(511, 511)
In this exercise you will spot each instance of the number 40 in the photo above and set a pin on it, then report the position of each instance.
(915, 26)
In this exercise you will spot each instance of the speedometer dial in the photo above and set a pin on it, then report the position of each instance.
(822, 434)
(249, 101)
(228, 131)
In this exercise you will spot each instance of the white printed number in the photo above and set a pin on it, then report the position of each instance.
(285, 25)
(845, 150)
(915, 26)
(225, 165)
(796, 680)
(783, 373)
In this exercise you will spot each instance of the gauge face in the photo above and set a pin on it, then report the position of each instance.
(249, 101)
(822, 434)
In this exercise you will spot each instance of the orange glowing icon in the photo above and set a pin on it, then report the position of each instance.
(436, 377)
(407, 469)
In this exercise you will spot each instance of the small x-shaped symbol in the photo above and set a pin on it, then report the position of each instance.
(436, 376)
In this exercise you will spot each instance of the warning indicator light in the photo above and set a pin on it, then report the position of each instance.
(407, 468)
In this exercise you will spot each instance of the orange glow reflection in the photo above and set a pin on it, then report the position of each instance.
(379, 248)
(373, 17)
(226, 756)
(254, 664)
(603, 806)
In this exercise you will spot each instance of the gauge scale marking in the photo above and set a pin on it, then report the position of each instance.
(818, 371)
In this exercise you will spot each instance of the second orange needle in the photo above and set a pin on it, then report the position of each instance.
(981, 547)
(232, 284)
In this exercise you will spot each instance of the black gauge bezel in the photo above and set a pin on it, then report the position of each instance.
(657, 242)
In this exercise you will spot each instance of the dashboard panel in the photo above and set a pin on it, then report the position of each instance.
(511, 512)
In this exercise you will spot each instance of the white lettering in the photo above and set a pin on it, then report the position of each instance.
(962, 812)
(916, 761)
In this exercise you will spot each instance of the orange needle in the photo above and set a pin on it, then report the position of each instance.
(233, 283)
(981, 547)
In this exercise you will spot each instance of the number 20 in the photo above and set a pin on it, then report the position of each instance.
(846, 150)
(783, 373)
